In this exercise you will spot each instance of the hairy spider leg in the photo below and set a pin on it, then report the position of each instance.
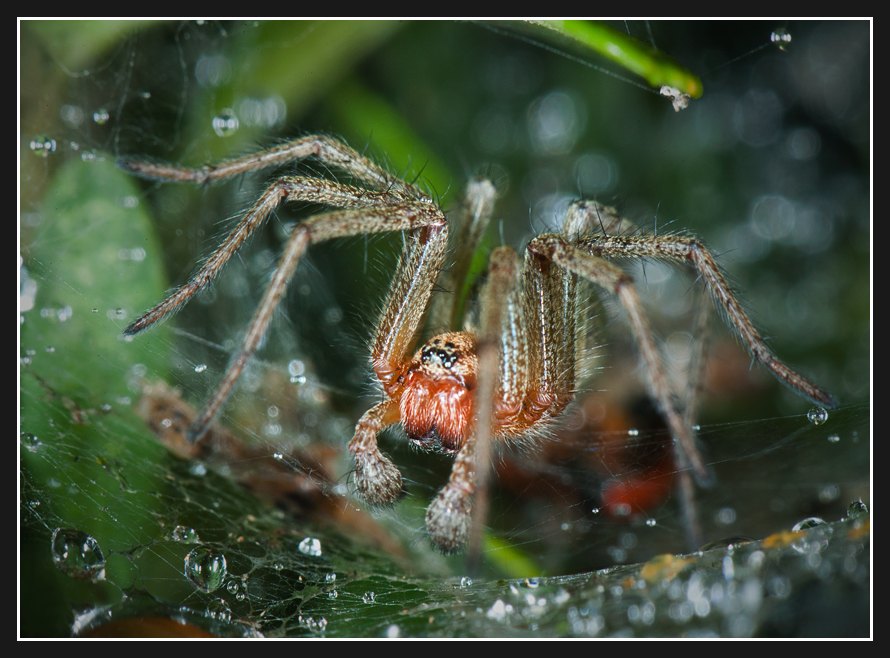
(690, 250)
(398, 207)
(320, 228)
(376, 478)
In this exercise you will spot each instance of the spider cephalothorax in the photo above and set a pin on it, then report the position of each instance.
(509, 379)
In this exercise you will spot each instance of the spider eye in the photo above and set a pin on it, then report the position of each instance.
(438, 356)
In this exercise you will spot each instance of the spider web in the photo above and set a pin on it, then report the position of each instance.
(260, 536)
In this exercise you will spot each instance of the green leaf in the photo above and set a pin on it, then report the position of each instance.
(640, 58)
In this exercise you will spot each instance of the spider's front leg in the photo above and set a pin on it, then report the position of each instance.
(449, 516)
(377, 480)
(495, 366)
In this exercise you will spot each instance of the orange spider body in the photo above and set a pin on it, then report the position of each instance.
(436, 396)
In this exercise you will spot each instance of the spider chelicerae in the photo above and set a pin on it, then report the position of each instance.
(512, 373)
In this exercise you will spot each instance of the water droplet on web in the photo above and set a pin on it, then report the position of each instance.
(781, 37)
(809, 544)
(237, 589)
(834, 438)
(186, 534)
(100, 116)
(856, 509)
(30, 441)
(43, 146)
(77, 554)
(206, 568)
(219, 610)
(314, 625)
(499, 610)
(310, 546)
(817, 415)
(198, 469)
(807, 523)
(225, 123)
(651, 522)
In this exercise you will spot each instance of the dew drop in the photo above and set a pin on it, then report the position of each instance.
(368, 597)
(219, 610)
(310, 546)
(807, 523)
(100, 116)
(225, 123)
(77, 554)
(856, 509)
(834, 438)
(817, 415)
(29, 441)
(782, 38)
(201, 367)
(809, 545)
(43, 146)
(466, 581)
(206, 568)
(186, 534)
(314, 625)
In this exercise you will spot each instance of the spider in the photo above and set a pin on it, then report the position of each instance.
(506, 376)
